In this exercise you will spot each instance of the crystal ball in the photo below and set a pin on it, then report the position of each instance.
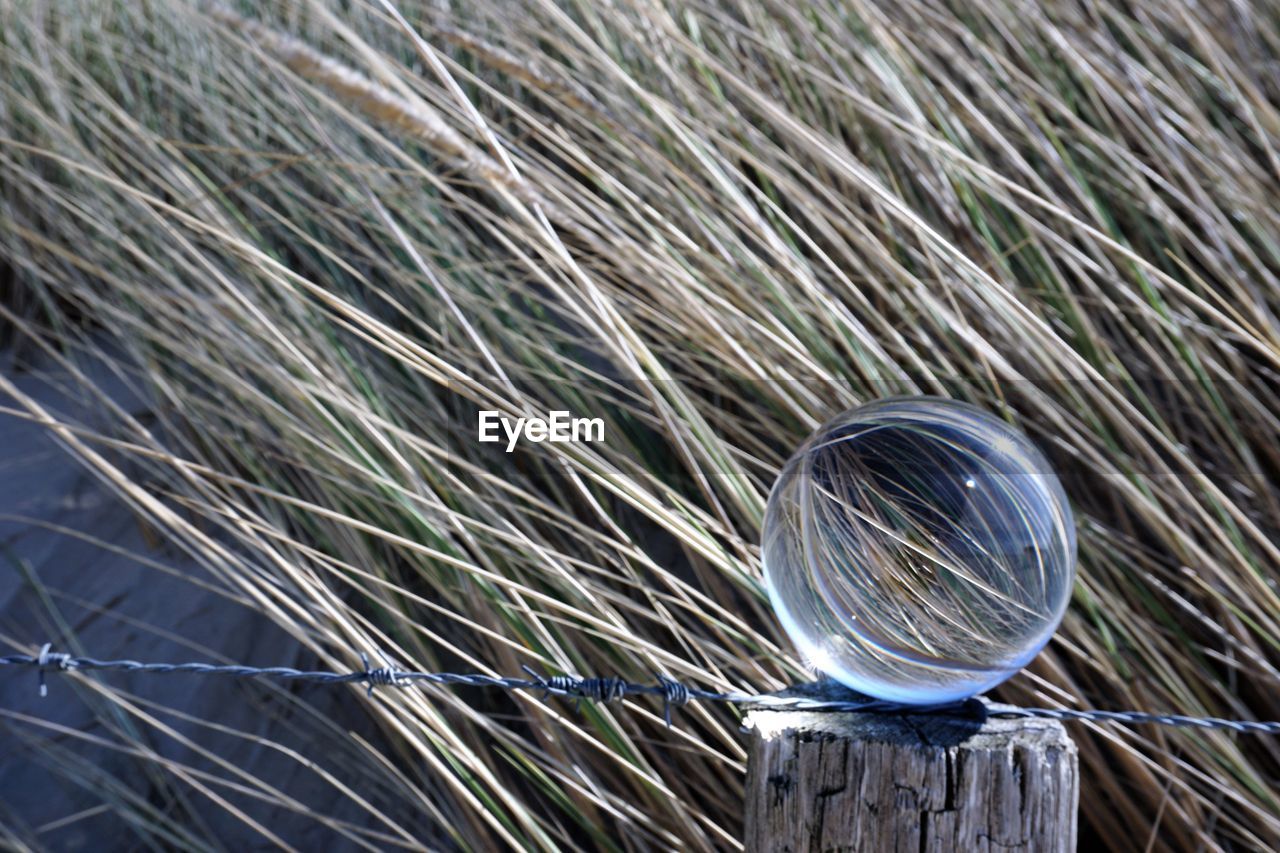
(919, 550)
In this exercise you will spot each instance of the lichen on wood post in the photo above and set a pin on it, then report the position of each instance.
(825, 781)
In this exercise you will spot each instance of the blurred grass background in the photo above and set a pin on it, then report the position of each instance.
(317, 236)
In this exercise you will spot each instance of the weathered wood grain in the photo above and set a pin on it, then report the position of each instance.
(877, 782)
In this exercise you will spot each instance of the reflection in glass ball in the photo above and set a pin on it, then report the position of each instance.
(919, 550)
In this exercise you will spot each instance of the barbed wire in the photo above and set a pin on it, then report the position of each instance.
(673, 693)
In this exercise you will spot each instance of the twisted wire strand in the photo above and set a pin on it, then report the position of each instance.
(673, 693)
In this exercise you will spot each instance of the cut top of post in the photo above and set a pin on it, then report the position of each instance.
(836, 781)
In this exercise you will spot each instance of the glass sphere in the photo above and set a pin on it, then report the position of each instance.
(919, 550)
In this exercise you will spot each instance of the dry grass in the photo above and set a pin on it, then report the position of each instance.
(320, 238)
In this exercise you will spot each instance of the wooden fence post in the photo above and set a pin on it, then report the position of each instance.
(883, 782)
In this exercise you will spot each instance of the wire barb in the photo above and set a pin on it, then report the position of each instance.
(600, 690)
(48, 658)
(387, 675)
(673, 693)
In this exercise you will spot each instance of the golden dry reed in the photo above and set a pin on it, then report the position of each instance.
(317, 237)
